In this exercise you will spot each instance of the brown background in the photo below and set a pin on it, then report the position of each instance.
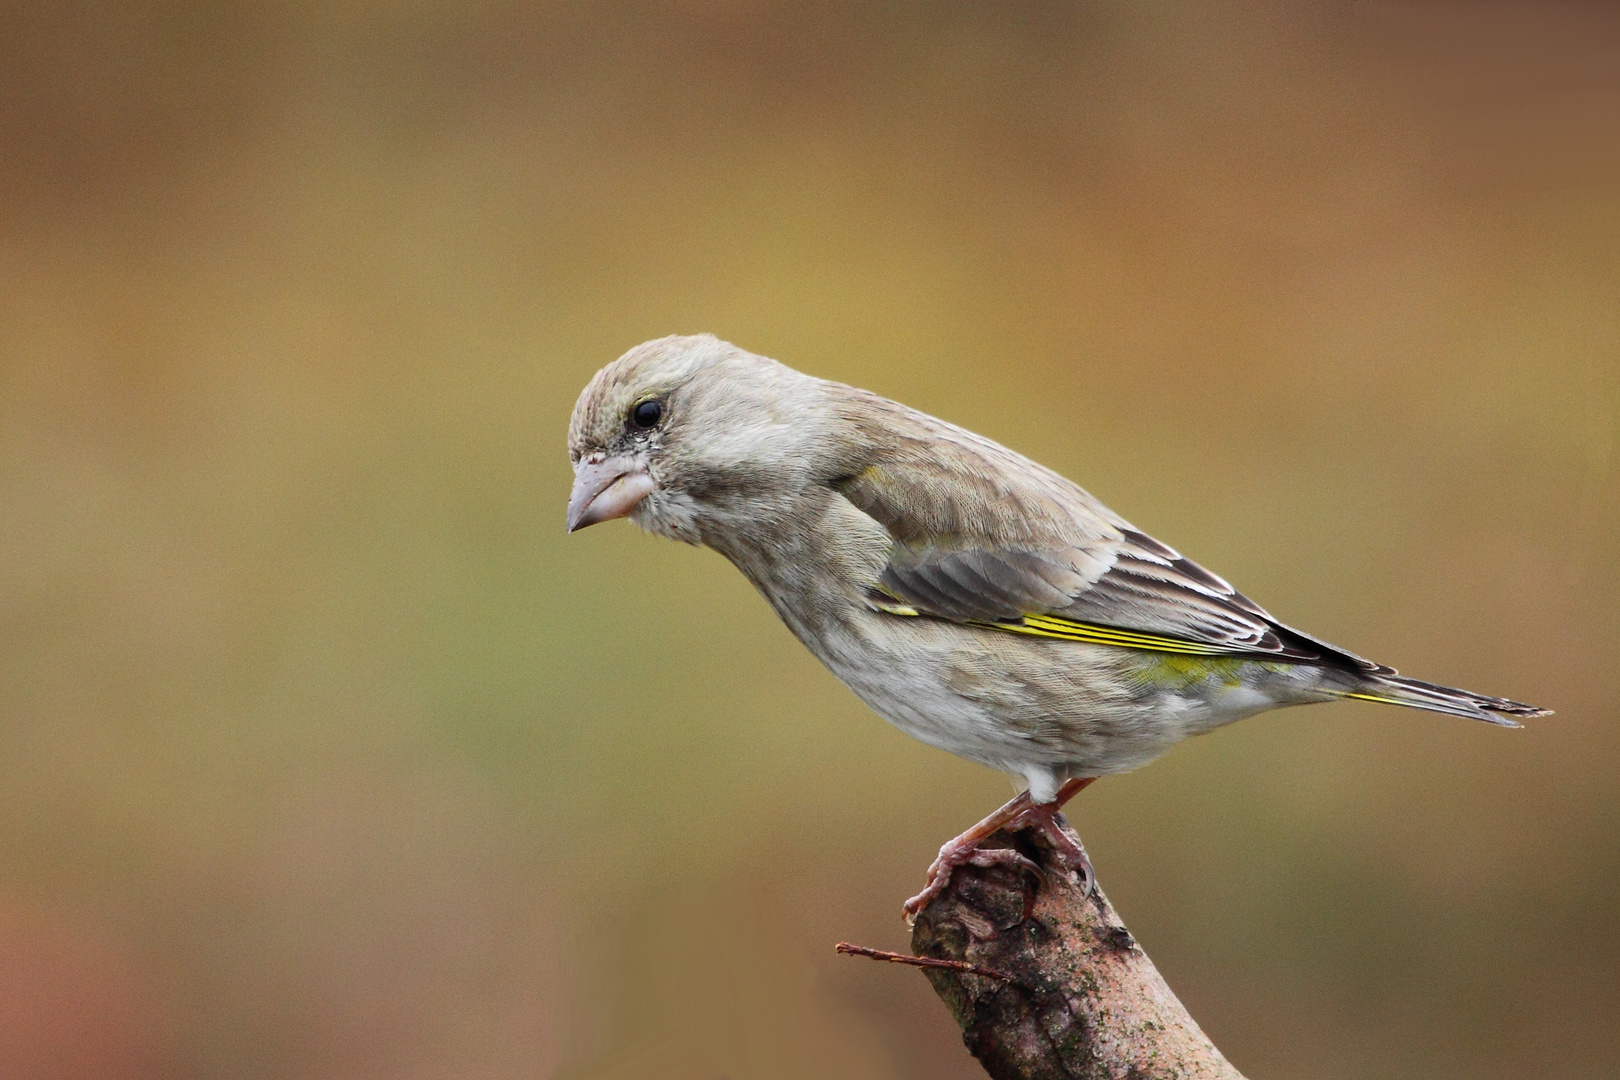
(323, 752)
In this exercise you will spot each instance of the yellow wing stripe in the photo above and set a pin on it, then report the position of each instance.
(1378, 698)
(1051, 626)
(1066, 630)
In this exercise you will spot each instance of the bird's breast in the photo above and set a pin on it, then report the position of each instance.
(813, 560)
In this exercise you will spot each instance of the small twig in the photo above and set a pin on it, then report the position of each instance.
(920, 961)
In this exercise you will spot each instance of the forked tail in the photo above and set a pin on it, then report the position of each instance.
(1396, 690)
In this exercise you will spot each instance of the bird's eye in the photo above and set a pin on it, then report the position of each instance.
(647, 414)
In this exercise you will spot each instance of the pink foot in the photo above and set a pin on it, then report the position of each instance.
(1050, 823)
(1018, 813)
(939, 872)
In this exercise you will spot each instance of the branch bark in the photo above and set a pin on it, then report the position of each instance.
(1083, 1002)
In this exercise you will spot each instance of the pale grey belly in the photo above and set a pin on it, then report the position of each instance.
(1016, 703)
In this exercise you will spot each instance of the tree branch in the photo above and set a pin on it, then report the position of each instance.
(1075, 998)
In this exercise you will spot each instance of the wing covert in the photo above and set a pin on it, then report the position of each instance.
(986, 537)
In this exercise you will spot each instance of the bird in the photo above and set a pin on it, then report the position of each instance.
(975, 599)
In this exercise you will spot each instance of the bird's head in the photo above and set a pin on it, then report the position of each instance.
(690, 437)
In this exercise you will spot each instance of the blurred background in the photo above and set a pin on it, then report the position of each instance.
(323, 751)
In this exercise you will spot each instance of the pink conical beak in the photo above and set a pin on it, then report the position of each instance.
(604, 490)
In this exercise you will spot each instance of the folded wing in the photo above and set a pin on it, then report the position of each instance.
(986, 537)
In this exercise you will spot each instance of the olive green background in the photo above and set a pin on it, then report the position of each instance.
(323, 751)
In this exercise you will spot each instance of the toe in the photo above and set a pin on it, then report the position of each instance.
(1005, 857)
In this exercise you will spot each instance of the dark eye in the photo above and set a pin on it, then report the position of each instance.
(647, 414)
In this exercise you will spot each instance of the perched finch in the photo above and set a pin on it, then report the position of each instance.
(973, 598)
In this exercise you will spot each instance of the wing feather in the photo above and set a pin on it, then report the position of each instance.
(987, 537)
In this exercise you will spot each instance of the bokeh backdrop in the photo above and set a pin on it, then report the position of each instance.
(325, 754)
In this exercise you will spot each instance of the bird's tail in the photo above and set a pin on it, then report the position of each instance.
(1396, 690)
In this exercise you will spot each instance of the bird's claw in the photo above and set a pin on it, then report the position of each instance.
(1085, 878)
(950, 857)
(1052, 825)
(936, 885)
(939, 872)
(1088, 879)
(1016, 815)
(1001, 856)
(939, 876)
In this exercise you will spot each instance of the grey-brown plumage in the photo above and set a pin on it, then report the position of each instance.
(977, 600)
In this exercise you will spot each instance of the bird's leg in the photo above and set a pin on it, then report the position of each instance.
(1048, 820)
(965, 849)
(1016, 814)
